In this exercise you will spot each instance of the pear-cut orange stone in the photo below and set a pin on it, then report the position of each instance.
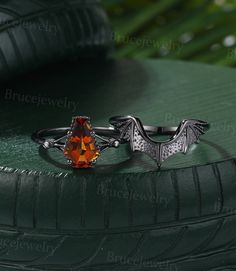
(80, 147)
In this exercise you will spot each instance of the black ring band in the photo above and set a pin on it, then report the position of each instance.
(41, 135)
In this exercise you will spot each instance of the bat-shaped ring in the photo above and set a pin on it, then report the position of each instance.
(182, 137)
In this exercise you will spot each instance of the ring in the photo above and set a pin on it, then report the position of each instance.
(187, 133)
(82, 143)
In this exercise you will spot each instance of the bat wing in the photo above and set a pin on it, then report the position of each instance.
(131, 130)
(188, 133)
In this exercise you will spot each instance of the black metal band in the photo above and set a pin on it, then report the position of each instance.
(41, 135)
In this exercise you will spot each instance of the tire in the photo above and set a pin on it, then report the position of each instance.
(67, 222)
(39, 32)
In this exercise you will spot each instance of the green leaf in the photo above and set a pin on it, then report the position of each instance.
(136, 22)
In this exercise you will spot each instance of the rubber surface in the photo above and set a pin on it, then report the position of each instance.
(127, 216)
(37, 32)
(176, 220)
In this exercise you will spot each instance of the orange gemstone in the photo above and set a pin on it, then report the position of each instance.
(80, 147)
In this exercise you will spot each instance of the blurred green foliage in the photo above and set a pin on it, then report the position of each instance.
(197, 30)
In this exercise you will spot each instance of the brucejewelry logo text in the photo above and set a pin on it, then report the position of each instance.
(26, 245)
(30, 25)
(132, 195)
(140, 262)
(38, 100)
